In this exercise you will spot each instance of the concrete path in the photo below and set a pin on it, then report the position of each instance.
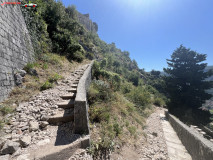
(176, 150)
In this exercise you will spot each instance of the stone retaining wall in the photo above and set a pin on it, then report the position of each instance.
(198, 147)
(81, 120)
(15, 45)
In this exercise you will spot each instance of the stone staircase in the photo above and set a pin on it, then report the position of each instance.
(67, 105)
(66, 142)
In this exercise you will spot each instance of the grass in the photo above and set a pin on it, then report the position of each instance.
(116, 120)
(46, 85)
(6, 110)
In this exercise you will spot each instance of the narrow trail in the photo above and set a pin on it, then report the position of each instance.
(176, 150)
(155, 145)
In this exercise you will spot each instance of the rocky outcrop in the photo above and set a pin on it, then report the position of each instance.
(85, 20)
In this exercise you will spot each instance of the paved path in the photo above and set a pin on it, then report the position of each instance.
(176, 150)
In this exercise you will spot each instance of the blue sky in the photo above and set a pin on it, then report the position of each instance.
(152, 29)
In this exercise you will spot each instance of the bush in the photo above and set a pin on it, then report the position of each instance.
(140, 96)
(126, 87)
(99, 91)
(159, 101)
(46, 85)
(99, 114)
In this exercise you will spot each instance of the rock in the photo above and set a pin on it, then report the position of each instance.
(10, 147)
(24, 128)
(22, 72)
(33, 72)
(34, 126)
(211, 125)
(43, 142)
(5, 157)
(23, 157)
(44, 117)
(25, 141)
(44, 124)
(154, 134)
(2, 142)
(18, 79)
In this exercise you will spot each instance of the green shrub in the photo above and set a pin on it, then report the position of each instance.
(159, 101)
(139, 96)
(99, 91)
(99, 114)
(126, 87)
(28, 67)
(78, 56)
(117, 129)
(55, 78)
(46, 85)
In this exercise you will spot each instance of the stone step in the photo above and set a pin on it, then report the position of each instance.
(74, 85)
(73, 90)
(66, 104)
(75, 82)
(68, 96)
(63, 116)
(52, 151)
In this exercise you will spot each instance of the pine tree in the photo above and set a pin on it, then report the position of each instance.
(186, 85)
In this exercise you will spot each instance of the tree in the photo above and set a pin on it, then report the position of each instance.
(155, 73)
(186, 85)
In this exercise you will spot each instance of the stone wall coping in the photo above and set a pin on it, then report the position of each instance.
(82, 85)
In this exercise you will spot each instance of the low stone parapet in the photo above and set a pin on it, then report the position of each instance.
(81, 120)
(198, 147)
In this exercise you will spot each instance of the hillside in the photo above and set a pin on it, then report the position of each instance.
(121, 95)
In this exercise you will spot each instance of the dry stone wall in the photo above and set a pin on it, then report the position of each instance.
(15, 45)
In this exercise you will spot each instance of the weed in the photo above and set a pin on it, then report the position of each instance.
(46, 85)
(54, 78)
(127, 123)
(6, 110)
(132, 130)
(117, 129)
(45, 66)
(28, 67)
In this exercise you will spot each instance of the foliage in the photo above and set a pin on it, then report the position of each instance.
(99, 91)
(54, 78)
(140, 96)
(6, 110)
(185, 84)
(46, 85)
(29, 66)
(159, 102)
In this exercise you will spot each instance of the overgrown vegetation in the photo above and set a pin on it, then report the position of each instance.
(119, 104)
